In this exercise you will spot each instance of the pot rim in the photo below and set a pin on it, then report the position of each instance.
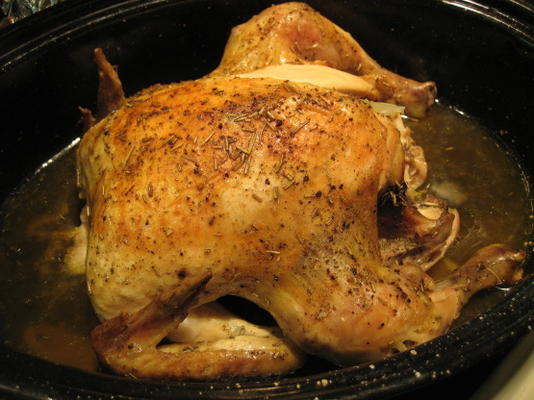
(458, 350)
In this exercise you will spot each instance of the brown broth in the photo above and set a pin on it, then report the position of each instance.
(45, 310)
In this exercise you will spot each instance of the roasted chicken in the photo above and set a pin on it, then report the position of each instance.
(285, 192)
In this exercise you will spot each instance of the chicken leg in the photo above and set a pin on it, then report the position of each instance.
(294, 33)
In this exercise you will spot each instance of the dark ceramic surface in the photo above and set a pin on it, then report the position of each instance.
(481, 57)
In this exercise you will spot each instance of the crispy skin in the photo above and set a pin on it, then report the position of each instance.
(169, 183)
(110, 95)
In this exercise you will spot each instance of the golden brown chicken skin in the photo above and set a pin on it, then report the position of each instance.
(182, 172)
(256, 188)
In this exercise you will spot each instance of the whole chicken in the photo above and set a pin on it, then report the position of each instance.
(267, 189)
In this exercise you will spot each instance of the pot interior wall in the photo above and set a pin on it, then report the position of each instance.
(482, 66)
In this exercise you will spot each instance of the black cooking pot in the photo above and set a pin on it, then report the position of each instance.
(481, 57)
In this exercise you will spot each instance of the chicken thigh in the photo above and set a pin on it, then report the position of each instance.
(294, 33)
(268, 190)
